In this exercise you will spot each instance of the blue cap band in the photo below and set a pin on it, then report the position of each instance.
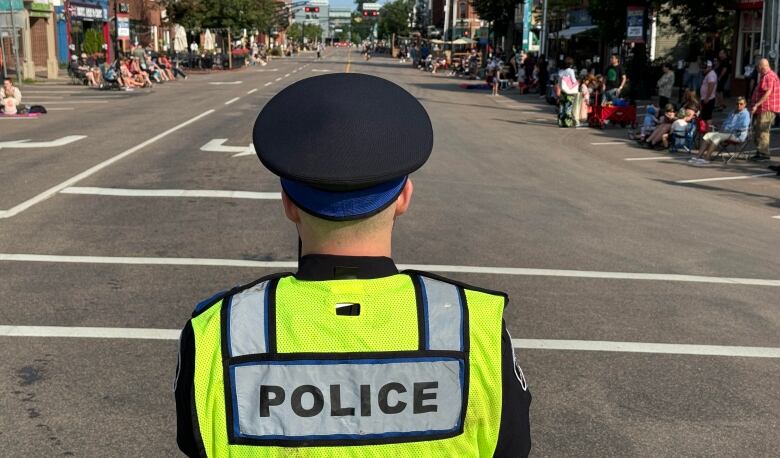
(342, 206)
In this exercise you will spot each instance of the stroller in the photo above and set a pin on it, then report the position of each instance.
(110, 76)
(684, 141)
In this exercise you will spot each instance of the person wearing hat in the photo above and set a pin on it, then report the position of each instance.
(348, 357)
(707, 92)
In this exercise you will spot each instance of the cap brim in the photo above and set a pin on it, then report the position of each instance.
(343, 206)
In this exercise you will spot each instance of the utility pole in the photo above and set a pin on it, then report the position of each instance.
(543, 38)
(451, 21)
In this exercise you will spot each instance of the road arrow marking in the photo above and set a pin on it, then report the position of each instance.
(216, 145)
(51, 144)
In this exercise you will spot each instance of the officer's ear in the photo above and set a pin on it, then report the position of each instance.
(404, 199)
(290, 210)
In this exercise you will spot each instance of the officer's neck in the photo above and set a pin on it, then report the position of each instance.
(348, 248)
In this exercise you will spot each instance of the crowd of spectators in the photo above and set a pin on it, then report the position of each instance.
(139, 69)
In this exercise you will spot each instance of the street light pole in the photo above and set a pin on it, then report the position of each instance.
(543, 41)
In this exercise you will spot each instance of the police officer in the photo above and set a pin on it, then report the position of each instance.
(348, 357)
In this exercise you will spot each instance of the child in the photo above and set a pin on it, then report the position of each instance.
(648, 123)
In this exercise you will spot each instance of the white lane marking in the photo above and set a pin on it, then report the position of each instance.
(427, 267)
(653, 158)
(609, 143)
(50, 144)
(776, 217)
(267, 70)
(278, 79)
(172, 193)
(642, 347)
(320, 70)
(286, 75)
(268, 83)
(741, 177)
(9, 118)
(35, 91)
(94, 169)
(295, 71)
(232, 100)
(534, 344)
(216, 145)
(252, 91)
(222, 83)
(60, 109)
(69, 101)
(84, 332)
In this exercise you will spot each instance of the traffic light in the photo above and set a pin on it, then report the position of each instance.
(370, 13)
(312, 9)
(365, 13)
(375, 13)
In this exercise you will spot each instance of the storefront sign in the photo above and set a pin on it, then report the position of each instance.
(123, 27)
(8, 5)
(635, 24)
(40, 9)
(88, 12)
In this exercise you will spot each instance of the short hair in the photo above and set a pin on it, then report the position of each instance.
(669, 107)
(741, 99)
(615, 56)
(568, 62)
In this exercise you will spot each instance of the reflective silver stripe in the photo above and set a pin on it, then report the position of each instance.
(247, 327)
(444, 315)
(347, 399)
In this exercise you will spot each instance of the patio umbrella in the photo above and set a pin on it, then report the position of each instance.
(208, 41)
(180, 39)
(463, 41)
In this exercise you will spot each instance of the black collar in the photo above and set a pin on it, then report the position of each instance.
(316, 267)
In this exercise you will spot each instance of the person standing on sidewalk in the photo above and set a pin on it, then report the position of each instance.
(766, 102)
(707, 92)
(665, 84)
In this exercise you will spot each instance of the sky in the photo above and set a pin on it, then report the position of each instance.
(348, 3)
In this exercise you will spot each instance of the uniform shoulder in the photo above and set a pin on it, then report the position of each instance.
(204, 305)
(465, 286)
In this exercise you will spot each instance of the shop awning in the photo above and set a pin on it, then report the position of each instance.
(571, 31)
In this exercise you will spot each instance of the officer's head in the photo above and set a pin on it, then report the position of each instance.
(344, 146)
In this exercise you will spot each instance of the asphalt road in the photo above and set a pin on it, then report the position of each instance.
(609, 250)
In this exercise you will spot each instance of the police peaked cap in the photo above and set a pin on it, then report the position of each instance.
(343, 144)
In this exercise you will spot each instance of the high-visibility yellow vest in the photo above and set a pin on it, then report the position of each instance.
(402, 366)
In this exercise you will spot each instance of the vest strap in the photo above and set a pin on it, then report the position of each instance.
(247, 321)
(444, 309)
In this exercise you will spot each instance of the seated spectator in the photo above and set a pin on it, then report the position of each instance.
(735, 129)
(649, 122)
(10, 98)
(665, 125)
(140, 76)
(680, 126)
(129, 81)
(172, 67)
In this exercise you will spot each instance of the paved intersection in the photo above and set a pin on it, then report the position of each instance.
(161, 203)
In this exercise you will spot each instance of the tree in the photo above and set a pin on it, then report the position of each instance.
(224, 14)
(499, 12)
(394, 18)
(312, 32)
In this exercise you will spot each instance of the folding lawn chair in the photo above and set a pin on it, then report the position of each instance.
(735, 149)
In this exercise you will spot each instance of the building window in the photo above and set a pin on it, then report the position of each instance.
(749, 42)
(462, 12)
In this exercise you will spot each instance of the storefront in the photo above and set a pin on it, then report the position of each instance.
(89, 29)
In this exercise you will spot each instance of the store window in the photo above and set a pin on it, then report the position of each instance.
(749, 42)
(462, 12)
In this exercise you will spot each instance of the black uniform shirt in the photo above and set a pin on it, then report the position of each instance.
(514, 437)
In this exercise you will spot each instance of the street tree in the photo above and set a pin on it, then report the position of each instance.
(394, 18)
(233, 15)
